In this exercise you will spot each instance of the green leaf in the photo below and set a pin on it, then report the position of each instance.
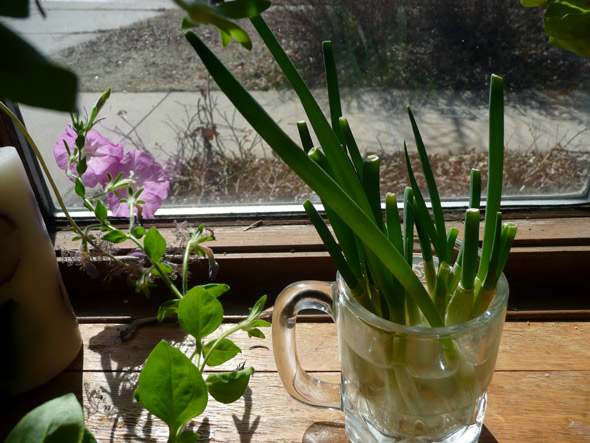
(100, 211)
(257, 309)
(439, 220)
(341, 202)
(495, 170)
(32, 80)
(227, 387)
(56, 421)
(114, 236)
(138, 232)
(255, 332)
(171, 387)
(79, 188)
(82, 166)
(199, 313)
(166, 269)
(260, 323)
(224, 351)
(187, 437)
(201, 13)
(242, 8)
(155, 245)
(215, 289)
(14, 8)
(533, 3)
(88, 437)
(169, 307)
(567, 23)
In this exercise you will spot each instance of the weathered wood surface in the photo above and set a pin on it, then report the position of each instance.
(540, 392)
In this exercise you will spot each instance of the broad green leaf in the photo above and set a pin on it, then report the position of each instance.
(187, 437)
(215, 289)
(171, 387)
(139, 231)
(79, 188)
(32, 80)
(260, 324)
(567, 23)
(227, 387)
(255, 332)
(114, 236)
(56, 421)
(199, 313)
(155, 245)
(100, 210)
(14, 8)
(169, 307)
(224, 351)
(166, 269)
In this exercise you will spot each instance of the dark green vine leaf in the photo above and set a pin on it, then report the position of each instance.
(155, 245)
(567, 23)
(114, 236)
(224, 351)
(28, 77)
(227, 387)
(139, 231)
(79, 188)
(169, 307)
(100, 211)
(215, 289)
(56, 421)
(171, 387)
(199, 313)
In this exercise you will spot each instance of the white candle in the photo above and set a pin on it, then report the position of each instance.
(39, 335)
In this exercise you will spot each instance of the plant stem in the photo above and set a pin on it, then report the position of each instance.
(58, 196)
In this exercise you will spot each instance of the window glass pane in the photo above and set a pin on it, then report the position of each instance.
(434, 55)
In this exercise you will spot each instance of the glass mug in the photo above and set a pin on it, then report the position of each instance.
(398, 383)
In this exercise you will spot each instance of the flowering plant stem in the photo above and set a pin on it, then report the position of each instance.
(54, 187)
(170, 385)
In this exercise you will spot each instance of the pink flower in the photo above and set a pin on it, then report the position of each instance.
(139, 166)
(102, 156)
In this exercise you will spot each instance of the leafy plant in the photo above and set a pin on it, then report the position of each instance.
(58, 420)
(171, 385)
(371, 252)
(567, 23)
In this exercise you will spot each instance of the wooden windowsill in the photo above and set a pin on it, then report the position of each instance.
(547, 269)
(539, 391)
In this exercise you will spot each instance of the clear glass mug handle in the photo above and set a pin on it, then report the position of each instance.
(298, 383)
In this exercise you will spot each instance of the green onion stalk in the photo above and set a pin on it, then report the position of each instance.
(371, 247)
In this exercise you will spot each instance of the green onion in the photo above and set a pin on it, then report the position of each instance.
(495, 171)
(305, 136)
(439, 220)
